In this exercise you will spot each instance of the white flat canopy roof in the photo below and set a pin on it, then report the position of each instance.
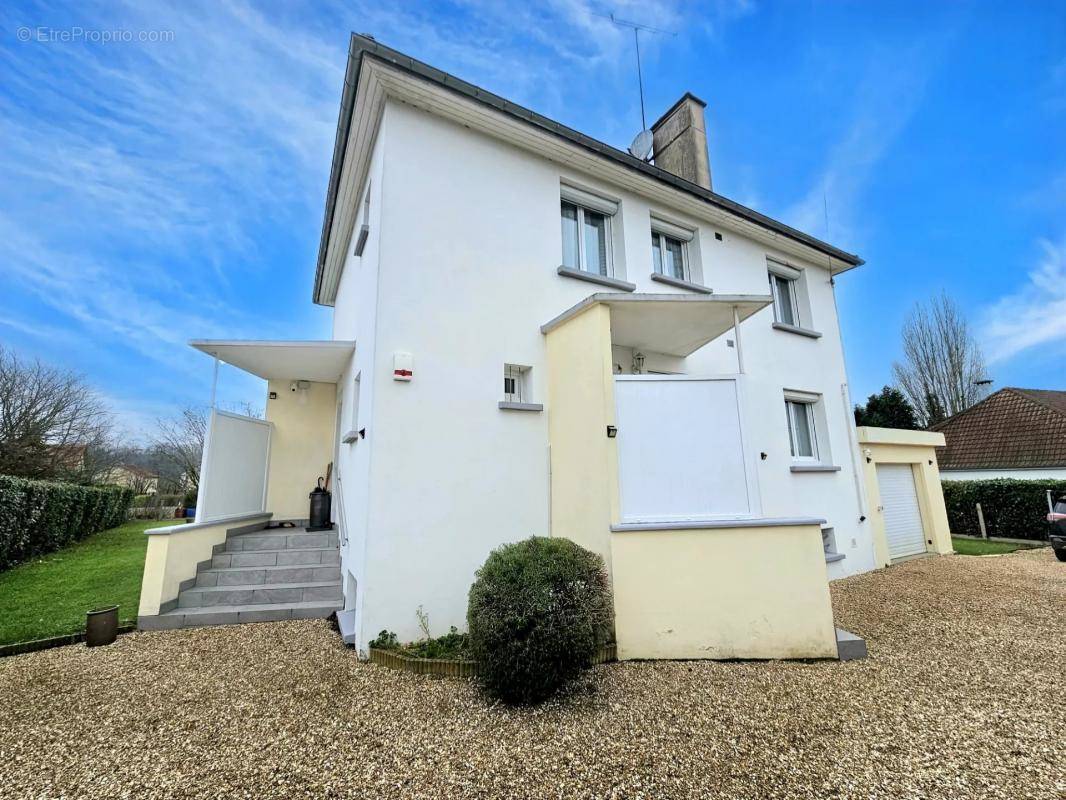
(283, 360)
(674, 324)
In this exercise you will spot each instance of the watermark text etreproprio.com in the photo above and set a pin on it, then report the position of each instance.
(76, 33)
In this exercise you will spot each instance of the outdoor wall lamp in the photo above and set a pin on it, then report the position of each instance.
(612, 431)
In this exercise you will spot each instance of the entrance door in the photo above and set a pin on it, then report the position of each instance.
(904, 532)
(680, 449)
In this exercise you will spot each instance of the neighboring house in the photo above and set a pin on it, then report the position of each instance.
(537, 334)
(1013, 433)
(140, 480)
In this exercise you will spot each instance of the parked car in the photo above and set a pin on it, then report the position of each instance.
(1057, 535)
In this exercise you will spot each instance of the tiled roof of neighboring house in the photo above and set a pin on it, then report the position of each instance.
(1011, 429)
(363, 45)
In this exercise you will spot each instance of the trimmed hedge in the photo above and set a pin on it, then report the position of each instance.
(1011, 508)
(37, 517)
(539, 611)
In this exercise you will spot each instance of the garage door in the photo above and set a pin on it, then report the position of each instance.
(899, 504)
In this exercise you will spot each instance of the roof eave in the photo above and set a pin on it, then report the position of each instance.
(360, 46)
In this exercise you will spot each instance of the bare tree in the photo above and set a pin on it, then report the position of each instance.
(943, 371)
(52, 423)
(180, 441)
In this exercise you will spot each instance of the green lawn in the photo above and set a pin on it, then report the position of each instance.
(50, 595)
(979, 547)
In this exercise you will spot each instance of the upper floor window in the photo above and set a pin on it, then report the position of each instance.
(789, 293)
(586, 239)
(586, 229)
(786, 309)
(669, 256)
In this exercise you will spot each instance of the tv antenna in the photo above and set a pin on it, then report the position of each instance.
(642, 144)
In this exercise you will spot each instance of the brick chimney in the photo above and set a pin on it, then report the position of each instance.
(680, 137)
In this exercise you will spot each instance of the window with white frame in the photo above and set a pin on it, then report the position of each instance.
(669, 255)
(785, 288)
(586, 239)
(586, 231)
(802, 430)
(515, 384)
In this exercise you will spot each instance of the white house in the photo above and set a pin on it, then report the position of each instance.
(537, 334)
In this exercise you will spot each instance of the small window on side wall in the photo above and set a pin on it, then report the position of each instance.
(802, 431)
(515, 384)
(786, 306)
(364, 229)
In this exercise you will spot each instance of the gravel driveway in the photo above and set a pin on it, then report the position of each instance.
(955, 702)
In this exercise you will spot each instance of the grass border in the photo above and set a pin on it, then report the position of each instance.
(454, 667)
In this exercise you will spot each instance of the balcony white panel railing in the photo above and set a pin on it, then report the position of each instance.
(682, 453)
(236, 461)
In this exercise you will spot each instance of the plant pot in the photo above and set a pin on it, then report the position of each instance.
(101, 626)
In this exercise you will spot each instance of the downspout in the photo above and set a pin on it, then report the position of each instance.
(849, 418)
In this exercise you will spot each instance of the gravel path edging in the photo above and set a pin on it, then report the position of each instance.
(33, 645)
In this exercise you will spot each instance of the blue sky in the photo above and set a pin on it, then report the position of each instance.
(156, 191)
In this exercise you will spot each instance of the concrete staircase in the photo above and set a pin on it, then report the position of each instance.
(262, 576)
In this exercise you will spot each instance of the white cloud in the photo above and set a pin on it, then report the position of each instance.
(1034, 315)
(143, 185)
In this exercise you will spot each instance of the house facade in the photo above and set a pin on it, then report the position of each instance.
(537, 334)
(1012, 433)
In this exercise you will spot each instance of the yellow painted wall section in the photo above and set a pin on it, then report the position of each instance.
(584, 462)
(301, 446)
(722, 593)
(172, 558)
(917, 448)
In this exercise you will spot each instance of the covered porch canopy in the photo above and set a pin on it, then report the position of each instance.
(673, 324)
(253, 465)
(320, 361)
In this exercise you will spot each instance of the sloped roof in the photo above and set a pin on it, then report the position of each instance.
(1011, 429)
(364, 46)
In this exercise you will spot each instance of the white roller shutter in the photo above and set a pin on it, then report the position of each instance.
(899, 504)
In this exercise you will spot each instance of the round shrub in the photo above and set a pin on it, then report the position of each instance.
(538, 611)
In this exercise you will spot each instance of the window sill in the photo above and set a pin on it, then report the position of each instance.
(506, 405)
(784, 326)
(832, 558)
(814, 468)
(680, 284)
(711, 524)
(601, 280)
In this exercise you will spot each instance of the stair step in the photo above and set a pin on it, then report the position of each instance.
(325, 556)
(257, 593)
(236, 614)
(296, 540)
(266, 575)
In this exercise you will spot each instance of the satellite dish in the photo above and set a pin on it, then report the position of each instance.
(642, 145)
